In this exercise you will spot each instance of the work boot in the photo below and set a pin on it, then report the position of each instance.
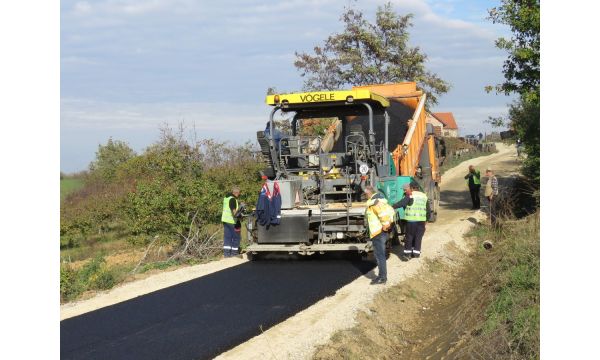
(378, 281)
(405, 256)
(416, 255)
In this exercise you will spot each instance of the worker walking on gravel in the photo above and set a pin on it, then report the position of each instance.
(379, 218)
(474, 181)
(232, 226)
(491, 193)
(416, 211)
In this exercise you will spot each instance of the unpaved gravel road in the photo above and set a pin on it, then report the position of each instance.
(297, 336)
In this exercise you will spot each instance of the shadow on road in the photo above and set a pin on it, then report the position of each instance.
(455, 200)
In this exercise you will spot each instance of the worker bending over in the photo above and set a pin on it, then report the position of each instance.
(379, 218)
(232, 225)
(416, 211)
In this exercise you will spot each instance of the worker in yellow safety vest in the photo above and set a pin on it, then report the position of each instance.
(473, 178)
(416, 212)
(232, 226)
(379, 217)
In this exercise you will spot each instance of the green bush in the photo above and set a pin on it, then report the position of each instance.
(186, 179)
(91, 268)
(94, 275)
(70, 287)
(108, 159)
(103, 279)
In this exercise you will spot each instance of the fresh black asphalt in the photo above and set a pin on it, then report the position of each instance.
(204, 317)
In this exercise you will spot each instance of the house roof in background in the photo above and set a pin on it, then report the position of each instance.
(447, 119)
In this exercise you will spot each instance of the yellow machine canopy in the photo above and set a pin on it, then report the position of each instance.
(307, 98)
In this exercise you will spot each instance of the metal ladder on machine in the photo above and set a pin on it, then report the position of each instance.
(322, 205)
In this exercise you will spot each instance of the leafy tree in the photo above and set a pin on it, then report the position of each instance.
(522, 68)
(525, 119)
(109, 157)
(522, 74)
(369, 53)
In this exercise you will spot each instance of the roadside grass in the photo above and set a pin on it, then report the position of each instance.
(89, 251)
(70, 185)
(513, 316)
(94, 275)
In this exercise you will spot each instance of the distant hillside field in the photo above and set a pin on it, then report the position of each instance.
(68, 186)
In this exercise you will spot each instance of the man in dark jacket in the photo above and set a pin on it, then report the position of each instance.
(263, 204)
(268, 206)
(474, 181)
(275, 206)
(232, 225)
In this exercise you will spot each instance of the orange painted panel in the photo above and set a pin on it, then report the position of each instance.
(409, 157)
(435, 170)
(391, 90)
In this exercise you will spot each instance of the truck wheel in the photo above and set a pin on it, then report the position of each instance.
(435, 203)
(369, 256)
(253, 257)
(394, 238)
(432, 217)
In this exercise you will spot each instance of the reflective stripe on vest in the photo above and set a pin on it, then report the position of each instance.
(418, 210)
(373, 223)
(378, 214)
(227, 216)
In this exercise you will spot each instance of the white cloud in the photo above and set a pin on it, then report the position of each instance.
(89, 114)
(126, 7)
(440, 62)
(77, 60)
(82, 7)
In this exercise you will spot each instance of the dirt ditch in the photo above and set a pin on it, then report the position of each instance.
(430, 316)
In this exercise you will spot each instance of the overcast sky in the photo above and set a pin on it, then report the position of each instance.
(128, 66)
